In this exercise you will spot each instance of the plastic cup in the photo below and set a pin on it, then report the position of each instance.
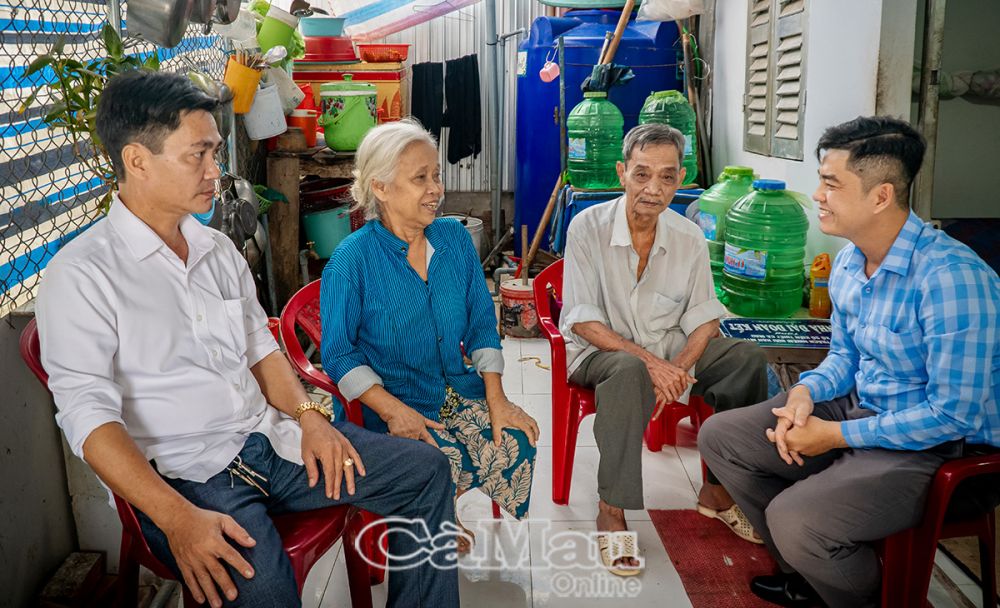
(305, 120)
(277, 29)
(549, 72)
(243, 81)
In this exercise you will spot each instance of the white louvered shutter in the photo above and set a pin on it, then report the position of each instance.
(756, 109)
(788, 88)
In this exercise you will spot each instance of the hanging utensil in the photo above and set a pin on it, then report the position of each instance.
(226, 11)
(161, 22)
(202, 11)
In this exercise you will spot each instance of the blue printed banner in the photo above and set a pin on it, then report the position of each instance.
(780, 333)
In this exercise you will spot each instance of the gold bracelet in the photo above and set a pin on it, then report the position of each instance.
(312, 405)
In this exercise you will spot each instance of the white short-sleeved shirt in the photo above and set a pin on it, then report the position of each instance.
(130, 334)
(674, 296)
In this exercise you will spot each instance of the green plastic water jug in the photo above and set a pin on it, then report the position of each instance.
(594, 129)
(713, 205)
(765, 246)
(672, 108)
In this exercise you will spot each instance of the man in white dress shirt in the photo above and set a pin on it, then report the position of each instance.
(170, 385)
(641, 322)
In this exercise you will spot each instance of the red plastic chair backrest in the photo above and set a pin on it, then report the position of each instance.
(31, 352)
(548, 291)
(303, 311)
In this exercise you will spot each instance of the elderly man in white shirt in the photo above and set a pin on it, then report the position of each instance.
(169, 384)
(641, 322)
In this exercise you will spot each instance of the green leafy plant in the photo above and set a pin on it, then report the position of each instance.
(75, 88)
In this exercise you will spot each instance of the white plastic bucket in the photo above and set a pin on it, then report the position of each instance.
(265, 118)
(474, 226)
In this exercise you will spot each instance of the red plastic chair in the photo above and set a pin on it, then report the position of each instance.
(306, 536)
(572, 402)
(908, 556)
(303, 312)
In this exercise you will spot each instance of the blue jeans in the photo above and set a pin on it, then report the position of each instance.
(405, 478)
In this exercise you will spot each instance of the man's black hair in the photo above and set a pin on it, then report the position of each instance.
(141, 106)
(882, 150)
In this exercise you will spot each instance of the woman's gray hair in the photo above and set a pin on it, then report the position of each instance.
(652, 134)
(378, 157)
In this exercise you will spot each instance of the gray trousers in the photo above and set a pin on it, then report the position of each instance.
(730, 373)
(819, 519)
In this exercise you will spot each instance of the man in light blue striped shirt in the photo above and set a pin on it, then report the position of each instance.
(847, 455)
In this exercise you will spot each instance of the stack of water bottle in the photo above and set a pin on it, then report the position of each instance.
(594, 131)
(756, 229)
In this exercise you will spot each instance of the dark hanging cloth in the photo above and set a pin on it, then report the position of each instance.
(427, 103)
(464, 114)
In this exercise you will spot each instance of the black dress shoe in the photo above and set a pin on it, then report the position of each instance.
(789, 590)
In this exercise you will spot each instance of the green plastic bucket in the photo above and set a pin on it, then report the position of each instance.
(348, 112)
(326, 229)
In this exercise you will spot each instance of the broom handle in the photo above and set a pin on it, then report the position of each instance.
(525, 252)
(606, 58)
(542, 225)
(609, 55)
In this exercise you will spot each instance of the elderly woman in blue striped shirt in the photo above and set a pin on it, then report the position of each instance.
(401, 299)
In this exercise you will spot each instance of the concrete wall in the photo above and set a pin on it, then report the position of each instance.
(843, 42)
(36, 523)
(967, 170)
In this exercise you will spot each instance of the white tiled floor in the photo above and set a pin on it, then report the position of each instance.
(671, 478)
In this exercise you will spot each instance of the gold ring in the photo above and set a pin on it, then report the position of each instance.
(348, 463)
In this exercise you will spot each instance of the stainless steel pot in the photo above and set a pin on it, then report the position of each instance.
(226, 11)
(203, 11)
(161, 22)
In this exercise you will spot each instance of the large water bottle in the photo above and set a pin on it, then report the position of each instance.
(672, 108)
(763, 271)
(594, 129)
(713, 205)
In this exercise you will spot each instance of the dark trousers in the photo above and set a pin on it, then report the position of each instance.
(730, 373)
(405, 478)
(427, 96)
(819, 519)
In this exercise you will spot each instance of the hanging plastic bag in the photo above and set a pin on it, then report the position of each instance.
(290, 93)
(669, 10)
(242, 29)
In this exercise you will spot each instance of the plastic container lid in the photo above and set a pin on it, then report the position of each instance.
(768, 184)
(669, 95)
(283, 16)
(738, 171)
(339, 88)
(594, 95)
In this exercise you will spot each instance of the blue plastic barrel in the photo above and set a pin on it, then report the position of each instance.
(572, 202)
(650, 48)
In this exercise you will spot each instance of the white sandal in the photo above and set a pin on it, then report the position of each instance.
(736, 520)
(618, 545)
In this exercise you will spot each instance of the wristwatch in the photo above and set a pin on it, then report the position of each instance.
(312, 405)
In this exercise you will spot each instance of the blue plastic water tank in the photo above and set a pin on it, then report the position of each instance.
(650, 48)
